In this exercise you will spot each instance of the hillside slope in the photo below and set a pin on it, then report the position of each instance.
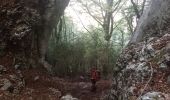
(145, 71)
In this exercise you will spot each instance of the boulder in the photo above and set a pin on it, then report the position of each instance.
(17, 66)
(6, 85)
(153, 96)
(36, 78)
(68, 97)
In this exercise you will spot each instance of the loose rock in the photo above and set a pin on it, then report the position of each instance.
(6, 85)
(153, 96)
(68, 97)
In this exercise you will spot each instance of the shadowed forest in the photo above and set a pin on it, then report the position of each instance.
(85, 50)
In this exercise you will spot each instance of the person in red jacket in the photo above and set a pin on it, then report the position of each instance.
(95, 76)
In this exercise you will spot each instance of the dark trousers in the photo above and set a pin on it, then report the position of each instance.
(93, 87)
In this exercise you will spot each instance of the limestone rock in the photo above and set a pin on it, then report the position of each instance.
(68, 97)
(17, 66)
(147, 60)
(153, 96)
(6, 85)
(36, 78)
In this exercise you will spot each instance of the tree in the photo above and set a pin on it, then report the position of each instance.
(104, 15)
(154, 19)
(153, 22)
(31, 24)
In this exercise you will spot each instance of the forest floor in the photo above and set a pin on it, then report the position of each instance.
(38, 85)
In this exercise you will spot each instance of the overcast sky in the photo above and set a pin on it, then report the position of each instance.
(79, 17)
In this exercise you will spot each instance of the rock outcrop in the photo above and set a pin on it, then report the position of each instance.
(143, 67)
(26, 26)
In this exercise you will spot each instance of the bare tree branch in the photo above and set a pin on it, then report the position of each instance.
(143, 6)
(117, 5)
(89, 12)
(100, 22)
(135, 9)
(128, 22)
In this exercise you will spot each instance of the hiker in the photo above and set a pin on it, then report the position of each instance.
(95, 76)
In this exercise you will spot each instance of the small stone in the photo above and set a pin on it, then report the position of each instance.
(36, 78)
(131, 89)
(153, 96)
(16, 91)
(68, 97)
(83, 85)
(82, 77)
(167, 57)
(6, 85)
(163, 66)
(17, 66)
(141, 59)
(55, 92)
(74, 99)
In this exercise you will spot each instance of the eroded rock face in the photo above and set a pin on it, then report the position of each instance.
(16, 24)
(26, 26)
(142, 68)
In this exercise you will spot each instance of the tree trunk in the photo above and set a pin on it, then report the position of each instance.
(154, 19)
(26, 25)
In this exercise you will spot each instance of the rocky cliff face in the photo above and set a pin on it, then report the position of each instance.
(16, 24)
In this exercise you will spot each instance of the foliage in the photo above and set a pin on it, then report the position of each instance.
(73, 52)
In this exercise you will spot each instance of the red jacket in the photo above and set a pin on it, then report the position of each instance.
(95, 75)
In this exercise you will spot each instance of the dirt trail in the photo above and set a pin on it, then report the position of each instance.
(41, 86)
(77, 89)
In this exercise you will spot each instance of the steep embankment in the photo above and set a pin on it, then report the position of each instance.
(145, 73)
